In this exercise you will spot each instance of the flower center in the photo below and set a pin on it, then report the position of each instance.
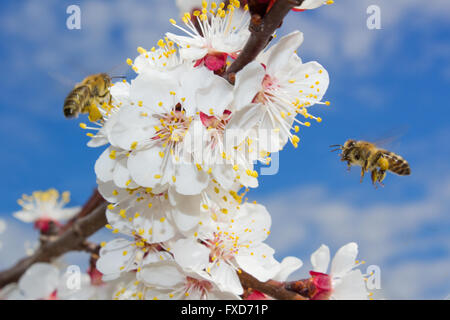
(202, 286)
(214, 122)
(268, 84)
(223, 247)
(46, 225)
(174, 126)
(214, 61)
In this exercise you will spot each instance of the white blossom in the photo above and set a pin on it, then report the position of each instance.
(346, 282)
(233, 242)
(45, 206)
(44, 281)
(213, 33)
(169, 281)
(271, 91)
(143, 245)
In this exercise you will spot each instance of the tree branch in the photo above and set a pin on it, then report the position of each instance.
(271, 288)
(261, 30)
(71, 240)
(94, 201)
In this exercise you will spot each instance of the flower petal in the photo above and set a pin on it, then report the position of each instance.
(26, 216)
(282, 51)
(120, 92)
(153, 87)
(145, 166)
(110, 192)
(39, 281)
(259, 262)
(241, 123)
(287, 267)
(311, 4)
(320, 259)
(190, 254)
(64, 213)
(104, 166)
(132, 127)
(351, 287)
(216, 97)
(164, 274)
(226, 278)
(248, 84)
(121, 175)
(190, 180)
(344, 260)
(112, 259)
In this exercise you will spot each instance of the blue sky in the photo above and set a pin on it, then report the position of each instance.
(392, 81)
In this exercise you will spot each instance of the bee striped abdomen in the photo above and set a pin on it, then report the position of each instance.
(397, 164)
(76, 101)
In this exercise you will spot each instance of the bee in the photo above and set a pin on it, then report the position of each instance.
(86, 95)
(372, 158)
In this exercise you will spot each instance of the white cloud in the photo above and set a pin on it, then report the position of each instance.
(421, 278)
(2, 226)
(338, 36)
(13, 239)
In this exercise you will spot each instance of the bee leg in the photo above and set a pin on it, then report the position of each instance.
(366, 164)
(375, 159)
(86, 107)
(349, 166)
(374, 176)
(363, 170)
(381, 176)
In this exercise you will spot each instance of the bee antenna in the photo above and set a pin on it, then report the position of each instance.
(119, 77)
(336, 149)
(336, 145)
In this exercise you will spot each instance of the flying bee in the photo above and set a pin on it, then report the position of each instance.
(372, 158)
(86, 95)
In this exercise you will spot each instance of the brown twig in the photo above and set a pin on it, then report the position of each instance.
(94, 201)
(271, 288)
(261, 29)
(72, 239)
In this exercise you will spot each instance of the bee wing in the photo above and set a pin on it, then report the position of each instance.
(120, 70)
(390, 137)
(60, 78)
(397, 164)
